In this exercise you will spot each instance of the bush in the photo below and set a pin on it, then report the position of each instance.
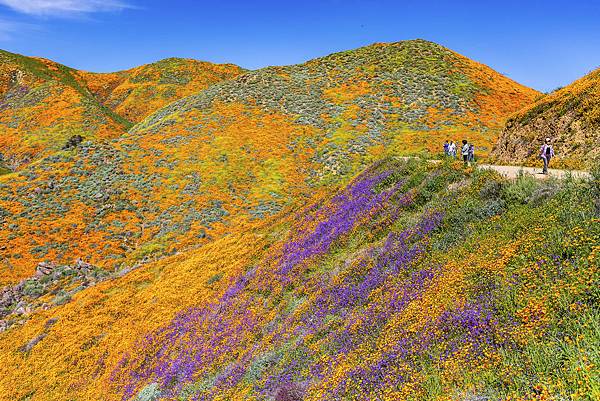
(61, 298)
(543, 193)
(491, 190)
(215, 278)
(489, 209)
(33, 289)
(519, 191)
(595, 188)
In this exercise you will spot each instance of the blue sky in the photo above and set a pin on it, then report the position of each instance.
(542, 44)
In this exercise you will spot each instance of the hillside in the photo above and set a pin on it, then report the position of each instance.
(134, 94)
(409, 94)
(415, 281)
(243, 150)
(42, 105)
(570, 116)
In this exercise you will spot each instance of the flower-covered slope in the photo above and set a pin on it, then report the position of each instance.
(409, 95)
(136, 93)
(413, 282)
(570, 116)
(242, 150)
(42, 105)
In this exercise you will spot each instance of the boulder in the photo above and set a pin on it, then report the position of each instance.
(73, 142)
(44, 269)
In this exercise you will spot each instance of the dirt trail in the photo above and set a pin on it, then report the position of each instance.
(513, 172)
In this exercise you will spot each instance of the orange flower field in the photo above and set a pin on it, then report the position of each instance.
(194, 231)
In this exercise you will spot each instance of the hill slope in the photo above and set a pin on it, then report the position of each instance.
(570, 116)
(42, 105)
(243, 150)
(413, 282)
(136, 93)
(383, 89)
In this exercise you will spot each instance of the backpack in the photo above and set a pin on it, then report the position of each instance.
(548, 150)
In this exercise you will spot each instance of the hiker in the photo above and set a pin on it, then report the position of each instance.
(446, 145)
(452, 149)
(471, 153)
(546, 153)
(464, 151)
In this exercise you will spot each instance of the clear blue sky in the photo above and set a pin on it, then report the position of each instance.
(542, 44)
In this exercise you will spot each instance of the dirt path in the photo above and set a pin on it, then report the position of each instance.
(513, 172)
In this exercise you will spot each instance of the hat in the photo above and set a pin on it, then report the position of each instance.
(547, 139)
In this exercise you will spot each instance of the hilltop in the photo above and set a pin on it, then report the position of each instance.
(570, 116)
(243, 150)
(136, 93)
(43, 104)
(417, 91)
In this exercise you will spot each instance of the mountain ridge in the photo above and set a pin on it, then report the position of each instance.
(44, 103)
(244, 149)
(173, 77)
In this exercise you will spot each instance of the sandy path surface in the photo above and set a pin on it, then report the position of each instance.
(513, 171)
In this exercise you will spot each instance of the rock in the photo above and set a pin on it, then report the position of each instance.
(73, 142)
(7, 296)
(16, 78)
(22, 308)
(81, 265)
(149, 393)
(44, 268)
(29, 346)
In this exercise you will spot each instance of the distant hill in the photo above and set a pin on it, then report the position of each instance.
(246, 149)
(408, 95)
(570, 116)
(138, 92)
(43, 103)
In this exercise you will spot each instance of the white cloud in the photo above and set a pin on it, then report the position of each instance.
(64, 7)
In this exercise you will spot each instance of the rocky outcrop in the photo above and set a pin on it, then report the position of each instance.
(19, 301)
(569, 116)
(73, 142)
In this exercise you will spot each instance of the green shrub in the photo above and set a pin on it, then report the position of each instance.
(33, 289)
(61, 298)
(519, 191)
(215, 278)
